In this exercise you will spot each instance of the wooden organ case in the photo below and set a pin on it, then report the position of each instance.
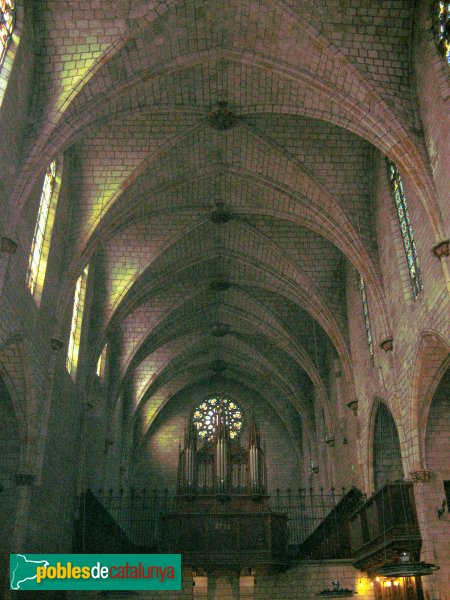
(221, 516)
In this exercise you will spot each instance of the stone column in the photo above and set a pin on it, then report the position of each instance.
(435, 531)
(24, 486)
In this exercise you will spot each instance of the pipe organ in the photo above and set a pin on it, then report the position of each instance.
(221, 517)
(221, 466)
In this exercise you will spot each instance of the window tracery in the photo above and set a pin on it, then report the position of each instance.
(362, 292)
(101, 363)
(7, 22)
(77, 320)
(405, 228)
(208, 412)
(441, 28)
(42, 234)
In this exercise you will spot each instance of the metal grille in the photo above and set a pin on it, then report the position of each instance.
(138, 512)
(305, 510)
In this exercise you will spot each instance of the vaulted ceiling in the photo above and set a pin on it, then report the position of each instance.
(221, 155)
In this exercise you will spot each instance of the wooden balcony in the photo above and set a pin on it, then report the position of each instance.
(385, 526)
(232, 540)
(331, 538)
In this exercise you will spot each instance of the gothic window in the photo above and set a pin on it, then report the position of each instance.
(441, 28)
(207, 413)
(362, 291)
(42, 234)
(7, 21)
(447, 494)
(77, 319)
(405, 228)
(101, 363)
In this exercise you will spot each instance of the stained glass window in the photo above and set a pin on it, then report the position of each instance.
(101, 363)
(362, 291)
(207, 414)
(77, 319)
(7, 21)
(405, 228)
(441, 28)
(42, 233)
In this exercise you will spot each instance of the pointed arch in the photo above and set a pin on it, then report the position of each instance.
(16, 372)
(431, 361)
(384, 455)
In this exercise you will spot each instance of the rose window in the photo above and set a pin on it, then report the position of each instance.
(207, 415)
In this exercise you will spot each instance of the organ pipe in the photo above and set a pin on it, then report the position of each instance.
(221, 457)
(222, 465)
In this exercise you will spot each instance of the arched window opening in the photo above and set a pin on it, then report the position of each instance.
(365, 306)
(7, 23)
(40, 246)
(207, 414)
(406, 231)
(77, 320)
(441, 28)
(387, 458)
(101, 364)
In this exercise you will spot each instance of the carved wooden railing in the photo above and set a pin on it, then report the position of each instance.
(384, 526)
(138, 511)
(227, 539)
(331, 538)
(134, 518)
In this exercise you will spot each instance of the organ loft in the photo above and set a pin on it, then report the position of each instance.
(221, 514)
(220, 466)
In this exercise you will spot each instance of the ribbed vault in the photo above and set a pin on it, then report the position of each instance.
(222, 254)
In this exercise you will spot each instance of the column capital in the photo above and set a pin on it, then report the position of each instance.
(25, 479)
(387, 344)
(353, 406)
(424, 476)
(8, 245)
(442, 248)
(56, 344)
